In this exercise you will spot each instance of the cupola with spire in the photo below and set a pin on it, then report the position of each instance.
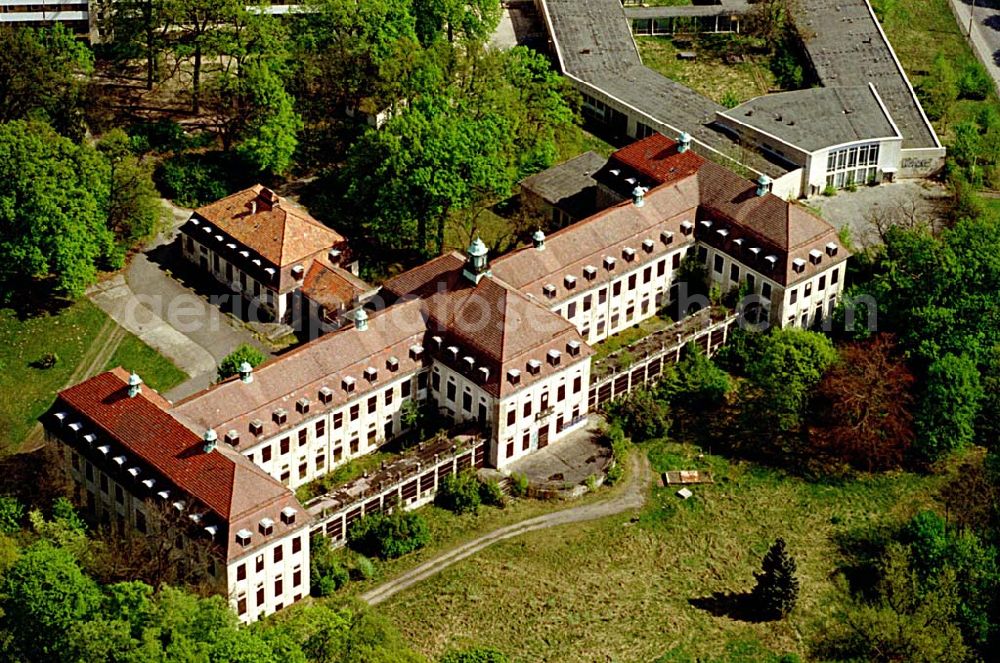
(134, 385)
(476, 265)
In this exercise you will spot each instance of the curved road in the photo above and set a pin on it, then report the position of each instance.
(632, 497)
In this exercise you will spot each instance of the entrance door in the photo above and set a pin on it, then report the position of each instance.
(543, 436)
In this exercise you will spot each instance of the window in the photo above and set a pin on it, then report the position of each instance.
(586, 303)
(279, 553)
(602, 296)
(511, 416)
(647, 274)
(140, 521)
(284, 445)
(303, 436)
(834, 276)
(571, 310)
(718, 264)
(119, 494)
(321, 428)
(260, 595)
(104, 483)
(241, 605)
(338, 419)
(279, 587)
(404, 389)
(822, 283)
(765, 290)
(616, 288)
(467, 401)
(631, 282)
(265, 454)
(577, 384)
(241, 572)
(661, 267)
(354, 446)
(676, 261)
(88, 469)
(372, 404)
(260, 563)
(793, 296)
(387, 395)
(751, 282)
(436, 381)
(510, 449)
(525, 441)
(285, 475)
(297, 577)
(527, 408)
(808, 290)
(560, 393)
(355, 412)
(702, 254)
(303, 470)
(734, 273)
(320, 462)
(296, 544)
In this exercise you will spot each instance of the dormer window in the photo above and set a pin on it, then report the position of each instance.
(755, 251)
(212, 530)
(60, 418)
(573, 348)
(549, 290)
(266, 526)
(288, 515)
(232, 437)
(416, 352)
(831, 249)
(90, 438)
(105, 450)
(119, 460)
(772, 261)
(687, 227)
(815, 256)
(453, 352)
(231, 246)
(325, 395)
(739, 241)
(371, 374)
(218, 238)
(570, 282)
(514, 376)
(392, 364)
(76, 426)
(280, 416)
(469, 362)
(437, 342)
(798, 265)
(609, 263)
(534, 366)
(149, 483)
(243, 537)
(554, 357)
(207, 229)
(163, 495)
(647, 245)
(706, 224)
(134, 471)
(256, 427)
(484, 373)
(302, 405)
(298, 272)
(590, 272)
(723, 233)
(667, 237)
(348, 384)
(628, 253)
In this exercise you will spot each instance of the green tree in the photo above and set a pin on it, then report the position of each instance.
(791, 363)
(697, 382)
(11, 515)
(389, 535)
(230, 364)
(43, 596)
(777, 588)
(940, 89)
(54, 87)
(464, 20)
(946, 416)
(988, 421)
(642, 415)
(53, 208)
(459, 493)
(269, 137)
(194, 35)
(326, 573)
(133, 203)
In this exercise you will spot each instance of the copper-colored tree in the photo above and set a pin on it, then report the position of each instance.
(864, 407)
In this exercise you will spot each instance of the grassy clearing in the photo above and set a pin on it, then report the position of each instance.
(919, 31)
(617, 590)
(628, 336)
(26, 391)
(710, 74)
(576, 141)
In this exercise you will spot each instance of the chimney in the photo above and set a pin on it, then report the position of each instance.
(538, 240)
(253, 207)
(246, 373)
(361, 319)
(134, 385)
(211, 439)
(763, 184)
(684, 142)
(638, 195)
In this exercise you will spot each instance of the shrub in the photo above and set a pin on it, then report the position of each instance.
(974, 81)
(326, 573)
(829, 190)
(459, 493)
(230, 364)
(642, 415)
(518, 484)
(364, 568)
(591, 482)
(698, 382)
(491, 494)
(615, 438)
(777, 588)
(476, 655)
(11, 515)
(730, 99)
(388, 536)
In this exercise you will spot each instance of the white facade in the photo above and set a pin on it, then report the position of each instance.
(271, 577)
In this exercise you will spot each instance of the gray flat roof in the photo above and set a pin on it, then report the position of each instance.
(566, 184)
(594, 43)
(847, 48)
(730, 9)
(817, 118)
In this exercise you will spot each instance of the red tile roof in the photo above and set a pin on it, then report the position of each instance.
(280, 231)
(332, 287)
(657, 158)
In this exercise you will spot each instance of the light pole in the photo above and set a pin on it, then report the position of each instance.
(972, 13)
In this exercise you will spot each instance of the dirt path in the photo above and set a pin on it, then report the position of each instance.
(632, 497)
(102, 348)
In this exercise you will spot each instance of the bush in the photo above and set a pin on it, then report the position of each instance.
(230, 364)
(829, 191)
(459, 493)
(697, 381)
(11, 515)
(364, 568)
(615, 438)
(518, 484)
(326, 573)
(389, 536)
(476, 655)
(491, 494)
(642, 415)
(974, 82)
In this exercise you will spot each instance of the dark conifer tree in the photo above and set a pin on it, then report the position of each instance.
(777, 587)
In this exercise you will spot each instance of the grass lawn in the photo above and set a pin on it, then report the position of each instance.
(709, 74)
(616, 590)
(26, 391)
(919, 31)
